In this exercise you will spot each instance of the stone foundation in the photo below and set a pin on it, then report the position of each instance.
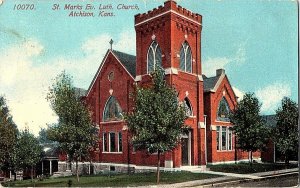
(62, 166)
(98, 168)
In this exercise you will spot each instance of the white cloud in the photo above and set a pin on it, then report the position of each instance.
(240, 56)
(127, 43)
(94, 49)
(99, 44)
(25, 81)
(271, 96)
(238, 93)
(210, 65)
(24, 85)
(16, 60)
(96, 45)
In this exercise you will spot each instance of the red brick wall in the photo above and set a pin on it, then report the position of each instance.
(268, 155)
(122, 85)
(212, 100)
(218, 156)
(171, 30)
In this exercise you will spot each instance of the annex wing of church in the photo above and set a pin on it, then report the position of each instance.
(168, 36)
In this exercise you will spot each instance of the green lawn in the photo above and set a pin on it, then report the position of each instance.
(137, 179)
(245, 168)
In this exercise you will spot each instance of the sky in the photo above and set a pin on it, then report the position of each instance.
(255, 41)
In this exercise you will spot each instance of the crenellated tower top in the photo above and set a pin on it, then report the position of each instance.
(169, 7)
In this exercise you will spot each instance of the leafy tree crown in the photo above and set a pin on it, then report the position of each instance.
(74, 131)
(157, 120)
(286, 129)
(249, 127)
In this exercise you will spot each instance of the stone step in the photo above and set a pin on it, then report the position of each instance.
(195, 169)
(62, 174)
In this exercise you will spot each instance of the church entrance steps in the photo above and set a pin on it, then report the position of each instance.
(62, 174)
(195, 169)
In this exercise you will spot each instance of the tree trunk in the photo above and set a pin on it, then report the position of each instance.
(91, 168)
(235, 150)
(251, 158)
(70, 166)
(286, 159)
(31, 173)
(128, 154)
(15, 175)
(158, 166)
(77, 171)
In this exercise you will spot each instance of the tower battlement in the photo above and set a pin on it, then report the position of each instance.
(169, 6)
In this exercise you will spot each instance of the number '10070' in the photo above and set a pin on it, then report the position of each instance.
(23, 6)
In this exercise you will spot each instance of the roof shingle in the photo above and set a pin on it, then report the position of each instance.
(128, 61)
(209, 83)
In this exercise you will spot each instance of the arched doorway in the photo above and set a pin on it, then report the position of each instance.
(186, 145)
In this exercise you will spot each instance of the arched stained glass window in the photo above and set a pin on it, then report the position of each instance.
(154, 56)
(223, 110)
(112, 110)
(186, 57)
(188, 107)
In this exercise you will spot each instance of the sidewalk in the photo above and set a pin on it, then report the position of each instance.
(229, 177)
(226, 177)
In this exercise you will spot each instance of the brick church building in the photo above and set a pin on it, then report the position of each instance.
(168, 36)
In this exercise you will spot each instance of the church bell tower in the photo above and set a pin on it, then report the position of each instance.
(168, 35)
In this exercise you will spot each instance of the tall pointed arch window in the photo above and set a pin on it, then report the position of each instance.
(153, 57)
(112, 110)
(188, 107)
(223, 110)
(186, 57)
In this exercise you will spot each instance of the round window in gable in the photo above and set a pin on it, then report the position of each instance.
(111, 76)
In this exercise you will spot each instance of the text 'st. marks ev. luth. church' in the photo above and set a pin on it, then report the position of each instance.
(168, 36)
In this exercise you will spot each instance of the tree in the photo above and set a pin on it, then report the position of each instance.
(74, 131)
(286, 130)
(157, 120)
(8, 136)
(252, 134)
(27, 152)
(44, 140)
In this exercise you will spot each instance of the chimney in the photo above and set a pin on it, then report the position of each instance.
(220, 72)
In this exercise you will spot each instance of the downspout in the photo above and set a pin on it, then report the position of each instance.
(127, 135)
(98, 114)
(235, 150)
(128, 154)
(274, 157)
(205, 140)
(198, 103)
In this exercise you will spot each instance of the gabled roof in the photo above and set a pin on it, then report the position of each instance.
(51, 150)
(210, 83)
(129, 61)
